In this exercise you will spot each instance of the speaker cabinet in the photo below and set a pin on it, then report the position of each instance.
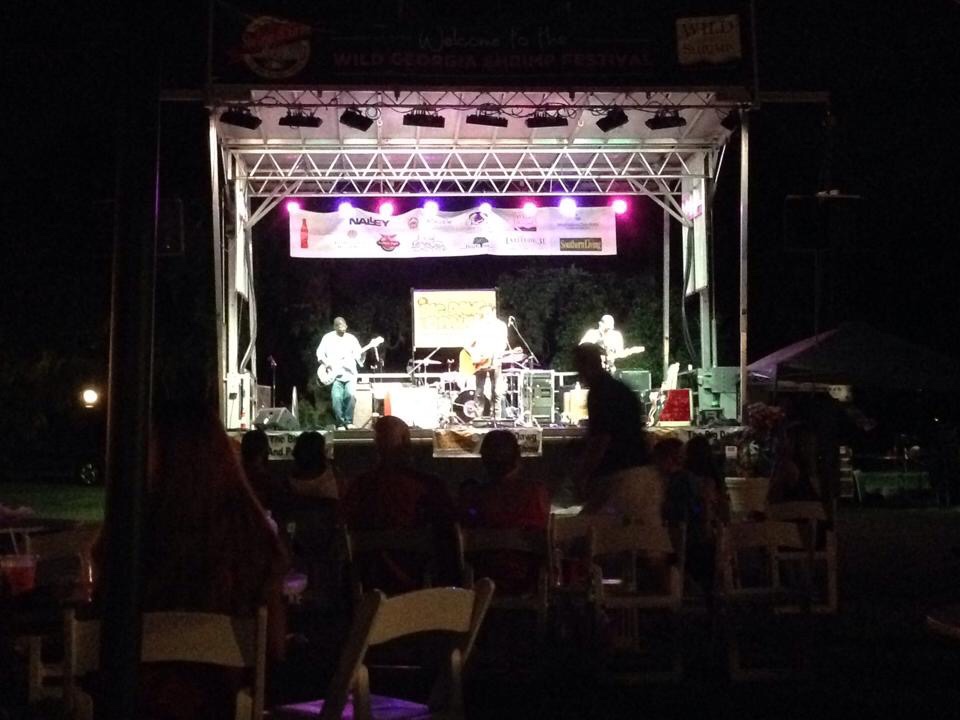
(276, 418)
(636, 380)
(538, 394)
(364, 406)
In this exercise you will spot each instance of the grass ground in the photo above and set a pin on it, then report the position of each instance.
(55, 500)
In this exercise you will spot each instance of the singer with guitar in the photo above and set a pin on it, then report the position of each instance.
(340, 355)
(610, 341)
(485, 352)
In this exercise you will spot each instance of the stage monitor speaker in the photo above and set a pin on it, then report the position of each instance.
(538, 397)
(364, 407)
(276, 418)
(637, 380)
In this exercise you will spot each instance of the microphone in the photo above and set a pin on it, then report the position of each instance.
(273, 363)
(511, 320)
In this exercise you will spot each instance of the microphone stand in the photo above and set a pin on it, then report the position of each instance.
(512, 322)
(273, 381)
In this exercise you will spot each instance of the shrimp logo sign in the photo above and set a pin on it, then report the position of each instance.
(388, 243)
(275, 48)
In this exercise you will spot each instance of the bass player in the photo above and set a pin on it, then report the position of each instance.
(489, 341)
(340, 355)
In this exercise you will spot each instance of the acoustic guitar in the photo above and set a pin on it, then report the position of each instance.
(326, 372)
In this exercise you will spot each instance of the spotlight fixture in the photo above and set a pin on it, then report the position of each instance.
(529, 209)
(431, 208)
(731, 121)
(568, 207)
(615, 118)
(546, 119)
(293, 206)
(353, 118)
(666, 118)
(299, 119)
(240, 117)
(619, 206)
(345, 210)
(489, 118)
(424, 117)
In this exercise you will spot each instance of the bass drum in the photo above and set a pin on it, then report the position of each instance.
(466, 407)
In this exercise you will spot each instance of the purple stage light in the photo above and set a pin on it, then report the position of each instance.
(293, 206)
(486, 207)
(386, 209)
(619, 206)
(345, 210)
(529, 208)
(430, 208)
(568, 207)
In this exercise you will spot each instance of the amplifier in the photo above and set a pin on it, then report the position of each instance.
(276, 418)
(637, 380)
(537, 391)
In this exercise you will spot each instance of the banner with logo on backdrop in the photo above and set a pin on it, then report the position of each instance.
(414, 234)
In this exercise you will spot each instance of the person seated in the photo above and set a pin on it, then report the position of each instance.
(395, 495)
(792, 478)
(509, 501)
(312, 477)
(255, 455)
(712, 512)
(206, 547)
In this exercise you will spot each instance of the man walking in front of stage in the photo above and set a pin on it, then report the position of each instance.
(340, 351)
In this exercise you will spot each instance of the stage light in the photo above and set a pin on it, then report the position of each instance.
(90, 397)
(666, 118)
(424, 117)
(568, 207)
(430, 208)
(345, 210)
(386, 209)
(486, 207)
(299, 119)
(489, 118)
(619, 206)
(731, 121)
(240, 117)
(353, 118)
(293, 206)
(613, 119)
(529, 209)
(544, 119)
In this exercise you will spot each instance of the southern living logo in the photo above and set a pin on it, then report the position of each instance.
(581, 245)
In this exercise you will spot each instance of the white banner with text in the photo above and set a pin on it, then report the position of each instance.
(413, 234)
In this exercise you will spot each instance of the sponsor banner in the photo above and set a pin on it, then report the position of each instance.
(414, 234)
(654, 43)
(464, 442)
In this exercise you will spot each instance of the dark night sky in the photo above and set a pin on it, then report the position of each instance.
(891, 69)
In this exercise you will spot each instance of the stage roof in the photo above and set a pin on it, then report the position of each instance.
(392, 158)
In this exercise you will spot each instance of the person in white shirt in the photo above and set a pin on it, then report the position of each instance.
(486, 350)
(608, 338)
(340, 351)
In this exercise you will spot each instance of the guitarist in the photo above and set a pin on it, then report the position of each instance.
(486, 351)
(340, 353)
(610, 341)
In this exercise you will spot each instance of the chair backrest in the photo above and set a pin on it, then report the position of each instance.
(233, 642)
(806, 510)
(379, 620)
(476, 540)
(769, 535)
(65, 554)
(643, 541)
(566, 529)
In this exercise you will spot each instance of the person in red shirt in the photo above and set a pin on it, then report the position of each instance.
(509, 501)
(394, 495)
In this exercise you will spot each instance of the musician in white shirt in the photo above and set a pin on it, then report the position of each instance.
(341, 352)
(608, 338)
(486, 350)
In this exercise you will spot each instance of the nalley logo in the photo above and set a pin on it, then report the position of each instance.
(377, 222)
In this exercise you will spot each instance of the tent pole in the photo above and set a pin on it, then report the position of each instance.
(216, 208)
(744, 226)
(666, 291)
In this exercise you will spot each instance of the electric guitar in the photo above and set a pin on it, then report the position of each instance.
(326, 373)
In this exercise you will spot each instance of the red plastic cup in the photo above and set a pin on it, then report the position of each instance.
(20, 572)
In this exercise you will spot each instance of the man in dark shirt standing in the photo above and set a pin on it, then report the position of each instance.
(615, 439)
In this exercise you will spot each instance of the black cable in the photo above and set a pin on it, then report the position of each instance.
(687, 340)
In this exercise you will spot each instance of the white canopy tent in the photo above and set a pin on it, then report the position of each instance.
(253, 170)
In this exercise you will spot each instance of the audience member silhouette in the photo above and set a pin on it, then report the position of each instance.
(312, 477)
(255, 454)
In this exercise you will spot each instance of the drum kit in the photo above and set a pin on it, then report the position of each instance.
(457, 400)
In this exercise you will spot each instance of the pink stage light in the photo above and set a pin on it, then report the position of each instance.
(431, 208)
(619, 206)
(486, 207)
(386, 209)
(529, 209)
(568, 207)
(293, 206)
(345, 210)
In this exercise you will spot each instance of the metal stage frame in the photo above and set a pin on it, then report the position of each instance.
(254, 170)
